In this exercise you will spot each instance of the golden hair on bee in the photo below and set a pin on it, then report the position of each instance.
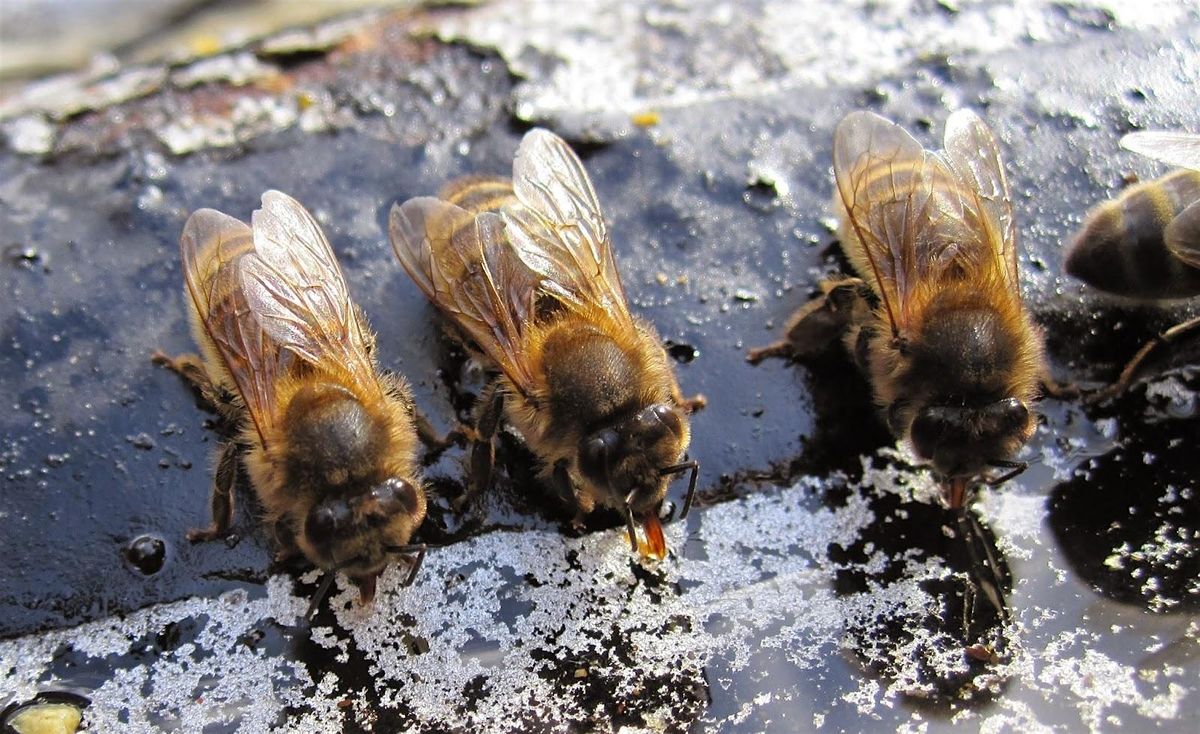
(524, 270)
(328, 442)
(935, 317)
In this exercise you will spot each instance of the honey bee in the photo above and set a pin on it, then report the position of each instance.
(524, 270)
(1145, 244)
(935, 319)
(328, 442)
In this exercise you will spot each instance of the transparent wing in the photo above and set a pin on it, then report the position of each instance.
(1182, 235)
(212, 247)
(296, 291)
(466, 267)
(973, 154)
(903, 206)
(1173, 148)
(557, 230)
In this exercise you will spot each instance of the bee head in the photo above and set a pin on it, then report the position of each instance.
(628, 457)
(353, 533)
(962, 441)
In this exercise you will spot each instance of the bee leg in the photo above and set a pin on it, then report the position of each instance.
(413, 555)
(429, 436)
(222, 496)
(191, 369)
(483, 449)
(781, 348)
(1131, 369)
(1059, 390)
(694, 404)
(560, 479)
(285, 539)
(367, 334)
(818, 323)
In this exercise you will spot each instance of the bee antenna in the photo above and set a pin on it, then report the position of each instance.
(323, 590)
(629, 523)
(691, 493)
(319, 595)
(414, 554)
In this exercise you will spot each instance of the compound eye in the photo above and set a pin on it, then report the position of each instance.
(654, 421)
(929, 430)
(1010, 416)
(391, 498)
(327, 520)
(598, 451)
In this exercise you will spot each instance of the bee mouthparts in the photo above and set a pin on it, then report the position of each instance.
(655, 545)
(955, 492)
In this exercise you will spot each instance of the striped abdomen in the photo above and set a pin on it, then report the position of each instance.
(478, 194)
(1121, 249)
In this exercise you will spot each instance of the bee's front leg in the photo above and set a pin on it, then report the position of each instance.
(285, 541)
(560, 479)
(429, 435)
(483, 450)
(818, 323)
(222, 495)
(191, 369)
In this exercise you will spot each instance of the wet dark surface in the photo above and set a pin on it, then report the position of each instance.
(105, 459)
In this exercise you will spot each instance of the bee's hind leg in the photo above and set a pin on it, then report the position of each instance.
(222, 496)
(818, 323)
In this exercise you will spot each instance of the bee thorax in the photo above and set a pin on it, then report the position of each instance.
(590, 378)
(967, 353)
(331, 438)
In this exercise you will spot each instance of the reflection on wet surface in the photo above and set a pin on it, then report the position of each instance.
(1129, 520)
(816, 585)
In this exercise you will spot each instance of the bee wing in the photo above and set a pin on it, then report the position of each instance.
(296, 291)
(972, 152)
(557, 230)
(1182, 235)
(213, 247)
(466, 266)
(1176, 149)
(901, 202)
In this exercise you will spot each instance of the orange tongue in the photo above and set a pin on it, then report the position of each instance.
(366, 588)
(956, 493)
(655, 545)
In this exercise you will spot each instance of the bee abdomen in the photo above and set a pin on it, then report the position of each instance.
(1121, 248)
(479, 194)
